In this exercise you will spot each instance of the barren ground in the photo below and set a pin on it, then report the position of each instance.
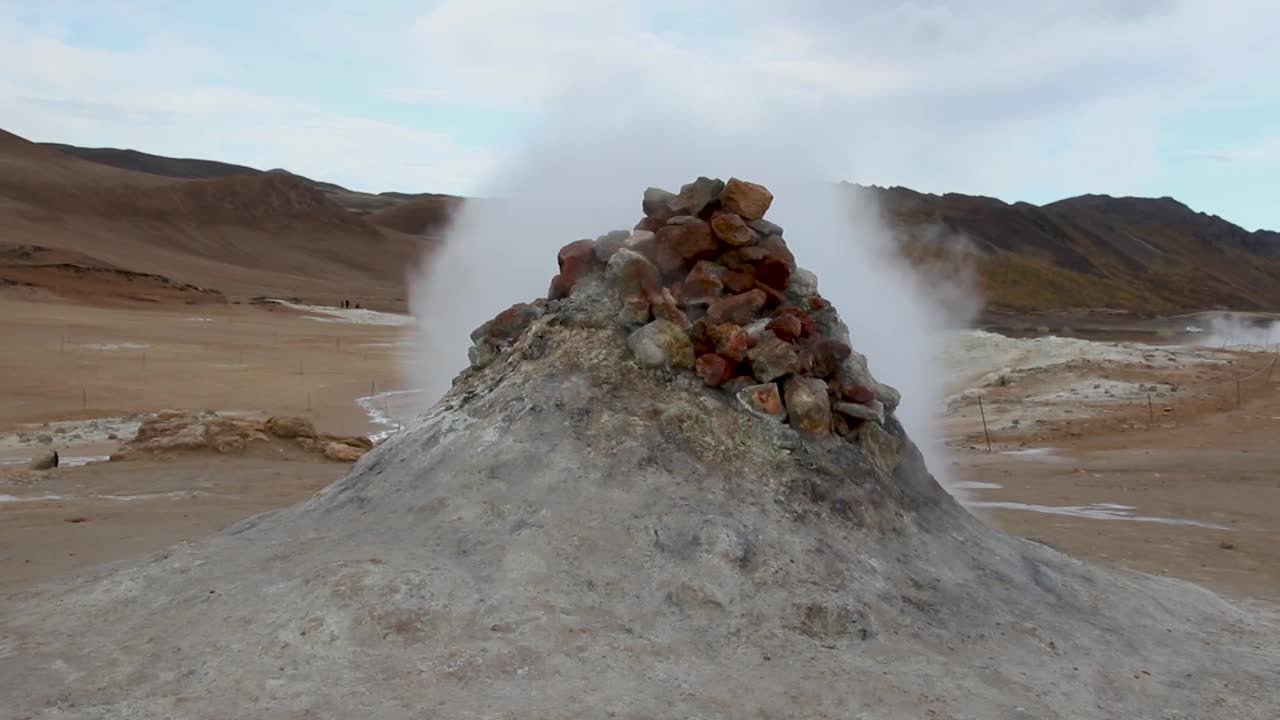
(1184, 486)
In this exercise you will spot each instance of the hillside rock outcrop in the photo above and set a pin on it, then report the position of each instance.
(173, 432)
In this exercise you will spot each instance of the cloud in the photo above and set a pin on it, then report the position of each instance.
(993, 96)
(167, 97)
(1018, 100)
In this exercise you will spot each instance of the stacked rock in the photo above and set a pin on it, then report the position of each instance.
(706, 284)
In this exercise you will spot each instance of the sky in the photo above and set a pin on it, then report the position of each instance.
(1019, 100)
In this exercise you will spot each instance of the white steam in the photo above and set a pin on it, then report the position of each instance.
(1242, 332)
(584, 179)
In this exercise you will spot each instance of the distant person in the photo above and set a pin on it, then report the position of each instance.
(55, 458)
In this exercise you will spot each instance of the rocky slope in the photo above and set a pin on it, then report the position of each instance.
(572, 533)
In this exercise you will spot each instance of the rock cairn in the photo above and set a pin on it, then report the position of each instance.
(705, 284)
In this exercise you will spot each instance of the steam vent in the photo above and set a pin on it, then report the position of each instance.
(670, 489)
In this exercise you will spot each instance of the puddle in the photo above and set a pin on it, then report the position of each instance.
(1096, 511)
(379, 409)
(974, 485)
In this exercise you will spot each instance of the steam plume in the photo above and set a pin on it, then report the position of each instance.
(584, 178)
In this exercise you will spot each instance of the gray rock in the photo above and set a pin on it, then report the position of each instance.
(887, 394)
(772, 358)
(45, 439)
(803, 283)
(872, 411)
(808, 407)
(482, 354)
(764, 227)
(657, 202)
(635, 311)
(696, 196)
(608, 244)
(629, 271)
(661, 344)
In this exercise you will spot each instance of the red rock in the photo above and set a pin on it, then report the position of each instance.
(828, 355)
(714, 369)
(663, 305)
(650, 224)
(786, 327)
(576, 256)
(763, 400)
(560, 288)
(732, 229)
(508, 324)
(860, 394)
(747, 199)
(737, 282)
(808, 328)
(774, 273)
(817, 303)
(703, 285)
(576, 260)
(678, 245)
(739, 309)
(730, 340)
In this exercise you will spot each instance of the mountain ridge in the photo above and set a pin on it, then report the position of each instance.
(1146, 256)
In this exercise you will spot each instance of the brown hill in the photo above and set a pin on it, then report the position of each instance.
(271, 234)
(360, 203)
(1143, 255)
(242, 230)
(427, 215)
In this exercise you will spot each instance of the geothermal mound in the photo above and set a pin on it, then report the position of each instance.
(653, 495)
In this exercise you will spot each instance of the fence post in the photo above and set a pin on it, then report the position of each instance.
(308, 402)
(1151, 411)
(985, 431)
